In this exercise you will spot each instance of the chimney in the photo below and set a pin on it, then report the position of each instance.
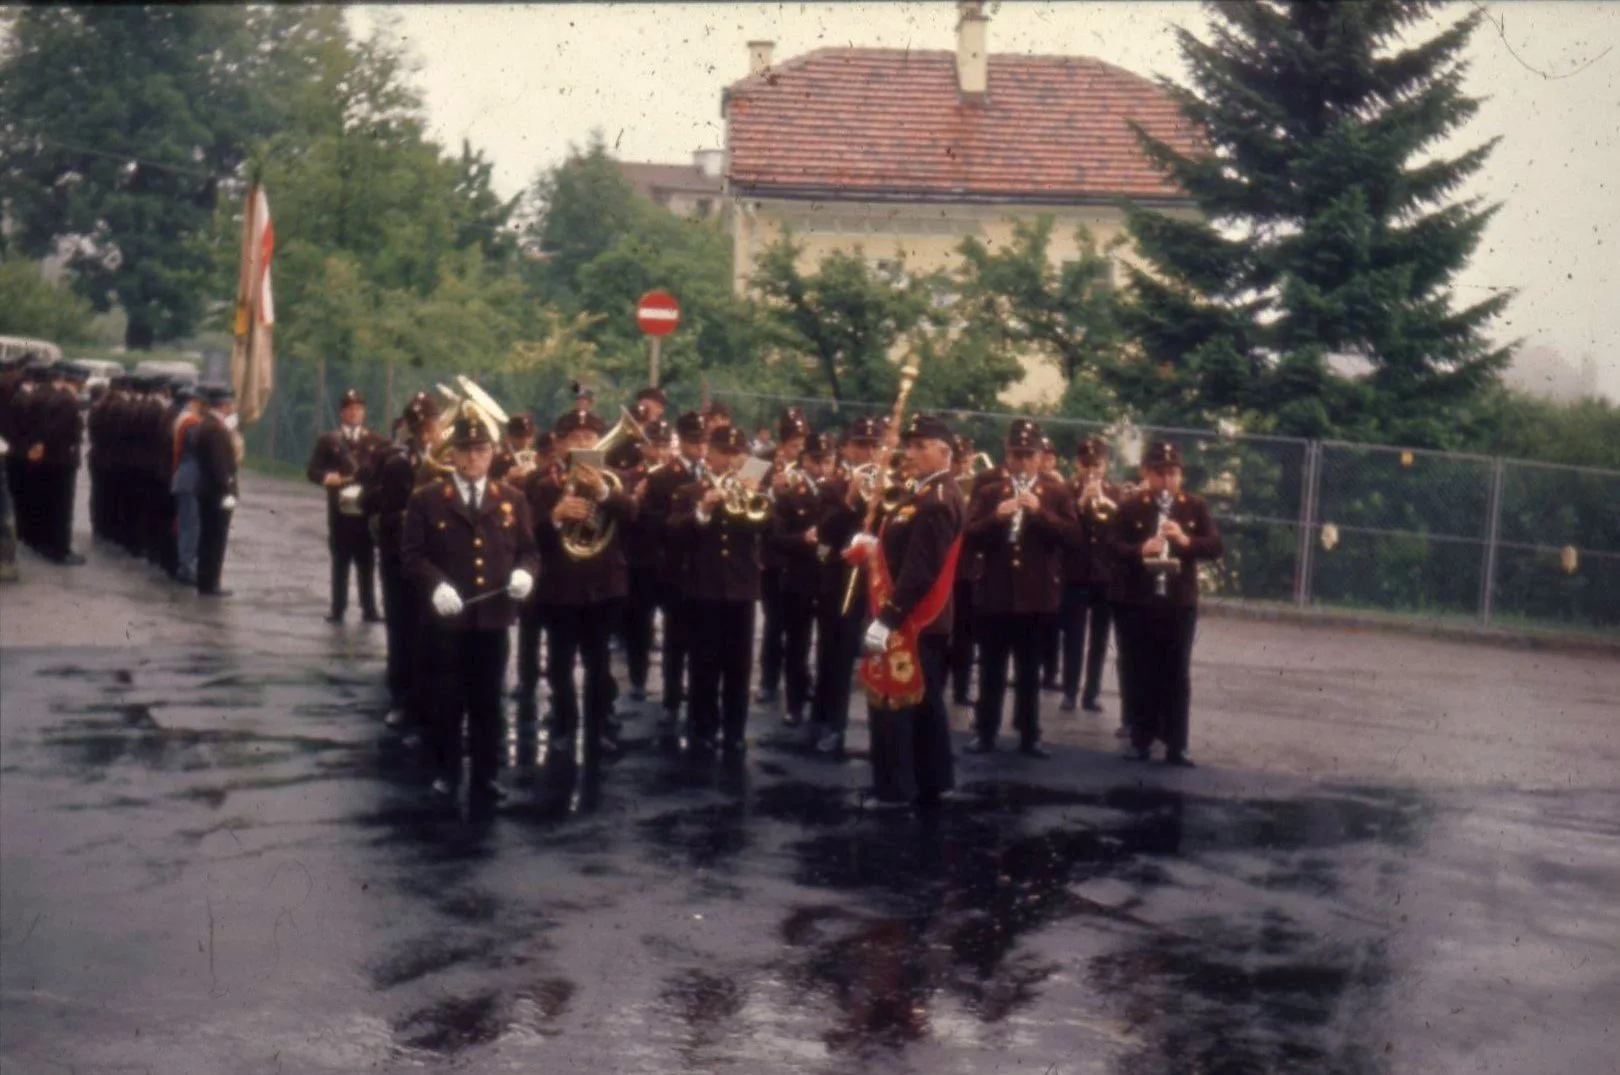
(972, 57)
(759, 56)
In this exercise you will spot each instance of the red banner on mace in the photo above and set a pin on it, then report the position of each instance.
(893, 679)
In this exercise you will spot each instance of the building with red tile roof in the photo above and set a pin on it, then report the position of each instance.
(904, 153)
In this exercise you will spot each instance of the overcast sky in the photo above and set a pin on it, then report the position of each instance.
(523, 83)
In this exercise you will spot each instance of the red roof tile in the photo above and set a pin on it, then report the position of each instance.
(863, 122)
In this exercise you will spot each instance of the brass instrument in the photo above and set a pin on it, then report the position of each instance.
(1020, 486)
(524, 462)
(1165, 565)
(471, 402)
(588, 538)
(1100, 508)
(739, 502)
(980, 464)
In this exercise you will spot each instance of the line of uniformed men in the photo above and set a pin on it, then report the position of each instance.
(1038, 564)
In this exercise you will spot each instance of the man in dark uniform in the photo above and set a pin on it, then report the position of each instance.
(183, 486)
(55, 452)
(393, 474)
(657, 504)
(1156, 630)
(791, 429)
(584, 598)
(469, 551)
(1085, 577)
(911, 570)
(721, 585)
(1051, 650)
(335, 465)
(1021, 522)
(797, 513)
(216, 486)
(841, 603)
(653, 402)
(641, 539)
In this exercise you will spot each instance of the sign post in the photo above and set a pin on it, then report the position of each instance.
(657, 314)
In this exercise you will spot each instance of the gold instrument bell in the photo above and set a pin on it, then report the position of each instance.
(588, 538)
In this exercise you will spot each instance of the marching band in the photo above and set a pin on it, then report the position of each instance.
(905, 559)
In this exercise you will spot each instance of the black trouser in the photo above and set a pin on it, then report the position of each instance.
(350, 541)
(215, 528)
(56, 510)
(676, 645)
(1158, 639)
(639, 607)
(582, 631)
(531, 621)
(1019, 635)
(403, 610)
(770, 647)
(797, 614)
(722, 655)
(1082, 602)
(959, 657)
(838, 647)
(468, 672)
(911, 748)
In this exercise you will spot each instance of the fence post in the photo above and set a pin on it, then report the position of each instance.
(1310, 482)
(1493, 530)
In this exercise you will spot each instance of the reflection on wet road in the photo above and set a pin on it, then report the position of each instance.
(215, 867)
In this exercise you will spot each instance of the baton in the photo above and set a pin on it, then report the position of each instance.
(470, 602)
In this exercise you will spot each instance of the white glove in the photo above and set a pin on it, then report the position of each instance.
(876, 638)
(520, 585)
(228, 504)
(446, 602)
(862, 540)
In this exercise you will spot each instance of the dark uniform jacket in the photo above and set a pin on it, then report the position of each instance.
(564, 580)
(444, 542)
(917, 537)
(1021, 576)
(389, 478)
(1087, 561)
(638, 536)
(840, 521)
(657, 505)
(216, 461)
(796, 510)
(334, 453)
(60, 427)
(1138, 521)
(722, 555)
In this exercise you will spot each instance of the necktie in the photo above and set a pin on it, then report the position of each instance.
(472, 498)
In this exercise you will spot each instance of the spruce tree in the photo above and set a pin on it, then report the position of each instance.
(1327, 226)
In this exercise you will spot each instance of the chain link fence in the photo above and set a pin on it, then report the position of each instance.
(1308, 523)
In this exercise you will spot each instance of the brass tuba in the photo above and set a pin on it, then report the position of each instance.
(588, 538)
(471, 402)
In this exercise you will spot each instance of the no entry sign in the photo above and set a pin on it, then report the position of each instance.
(658, 313)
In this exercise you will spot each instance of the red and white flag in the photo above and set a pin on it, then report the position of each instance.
(253, 372)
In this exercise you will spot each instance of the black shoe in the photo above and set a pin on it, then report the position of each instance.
(1034, 750)
(980, 746)
(395, 718)
(443, 789)
(334, 617)
(71, 559)
(702, 745)
(638, 694)
(1180, 759)
(371, 617)
(1090, 706)
(831, 745)
(1135, 753)
(732, 747)
(1067, 705)
(214, 593)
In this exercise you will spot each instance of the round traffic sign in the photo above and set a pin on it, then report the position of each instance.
(658, 313)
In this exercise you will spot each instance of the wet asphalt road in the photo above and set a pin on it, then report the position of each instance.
(1399, 855)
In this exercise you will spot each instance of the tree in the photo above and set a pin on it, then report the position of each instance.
(1325, 227)
(31, 305)
(119, 125)
(845, 322)
(1065, 313)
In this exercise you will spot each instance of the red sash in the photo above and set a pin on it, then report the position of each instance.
(893, 679)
